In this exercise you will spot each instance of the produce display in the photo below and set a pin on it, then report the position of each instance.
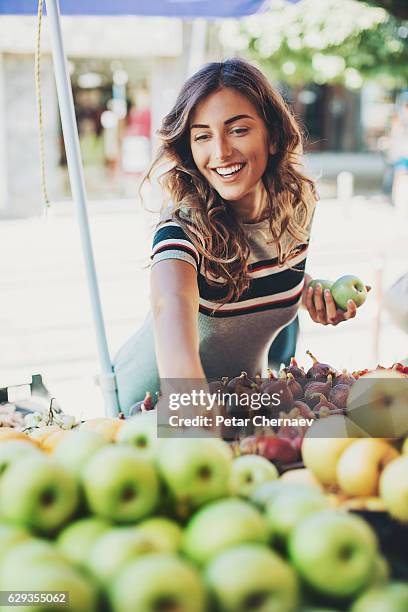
(128, 522)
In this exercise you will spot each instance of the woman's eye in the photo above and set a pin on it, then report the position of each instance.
(239, 131)
(200, 137)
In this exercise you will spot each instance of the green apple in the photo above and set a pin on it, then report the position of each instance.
(158, 582)
(334, 552)
(115, 548)
(77, 538)
(27, 554)
(404, 449)
(57, 576)
(221, 525)
(266, 492)
(167, 532)
(119, 485)
(347, 288)
(288, 508)
(391, 597)
(37, 492)
(326, 284)
(360, 465)
(10, 535)
(77, 448)
(14, 449)
(195, 470)
(394, 488)
(141, 432)
(252, 577)
(249, 471)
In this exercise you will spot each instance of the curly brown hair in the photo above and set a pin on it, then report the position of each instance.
(206, 218)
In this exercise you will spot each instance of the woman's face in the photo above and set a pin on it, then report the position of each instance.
(230, 145)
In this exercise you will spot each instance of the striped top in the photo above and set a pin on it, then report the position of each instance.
(233, 338)
(271, 285)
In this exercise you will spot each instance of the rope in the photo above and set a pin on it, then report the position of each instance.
(37, 68)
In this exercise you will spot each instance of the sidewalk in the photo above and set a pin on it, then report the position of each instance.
(45, 317)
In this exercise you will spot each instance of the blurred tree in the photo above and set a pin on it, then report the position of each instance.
(398, 8)
(336, 41)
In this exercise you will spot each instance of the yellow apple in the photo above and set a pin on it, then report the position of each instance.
(51, 442)
(404, 449)
(303, 476)
(9, 433)
(39, 434)
(394, 488)
(323, 444)
(106, 426)
(360, 466)
(378, 403)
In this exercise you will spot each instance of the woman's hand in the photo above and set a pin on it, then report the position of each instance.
(322, 307)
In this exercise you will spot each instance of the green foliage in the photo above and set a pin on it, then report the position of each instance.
(336, 41)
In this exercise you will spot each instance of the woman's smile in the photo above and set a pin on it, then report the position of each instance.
(230, 145)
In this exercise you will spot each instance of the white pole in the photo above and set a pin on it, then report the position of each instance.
(71, 140)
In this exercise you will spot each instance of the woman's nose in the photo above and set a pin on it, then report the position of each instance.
(222, 149)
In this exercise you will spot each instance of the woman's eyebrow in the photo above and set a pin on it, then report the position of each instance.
(227, 122)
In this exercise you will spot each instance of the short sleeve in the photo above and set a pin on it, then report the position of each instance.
(171, 242)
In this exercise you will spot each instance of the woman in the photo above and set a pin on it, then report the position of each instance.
(229, 254)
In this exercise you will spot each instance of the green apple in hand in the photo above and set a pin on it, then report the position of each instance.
(119, 485)
(221, 525)
(77, 538)
(158, 582)
(391, 597)
(334, 552)
(37, 492)
(77, 448)
(346, 288)
(249, 471)
(326, 284)
(252, 577)
(195, 470)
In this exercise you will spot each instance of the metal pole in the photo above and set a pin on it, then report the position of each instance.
(66, 104)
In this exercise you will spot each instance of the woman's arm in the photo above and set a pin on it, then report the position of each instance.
(175, 298)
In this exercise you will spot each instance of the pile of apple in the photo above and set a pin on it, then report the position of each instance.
(362, 472)
(127, 522)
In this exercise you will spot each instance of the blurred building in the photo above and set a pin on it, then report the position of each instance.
(125, 73)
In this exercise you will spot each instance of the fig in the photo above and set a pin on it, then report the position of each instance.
(323, 402)
(298, 373)
(339, 394)
(220, 386)
(304, 410)
(315, 388)
(295, 387)
(318, 370)
(271, 377)
(279, 386)
(344, 378)
(240, 382)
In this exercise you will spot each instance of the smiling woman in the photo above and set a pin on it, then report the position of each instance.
(229, 254)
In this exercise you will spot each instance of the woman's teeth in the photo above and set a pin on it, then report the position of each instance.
(230, 170)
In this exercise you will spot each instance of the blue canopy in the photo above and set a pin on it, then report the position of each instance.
(164, 8)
